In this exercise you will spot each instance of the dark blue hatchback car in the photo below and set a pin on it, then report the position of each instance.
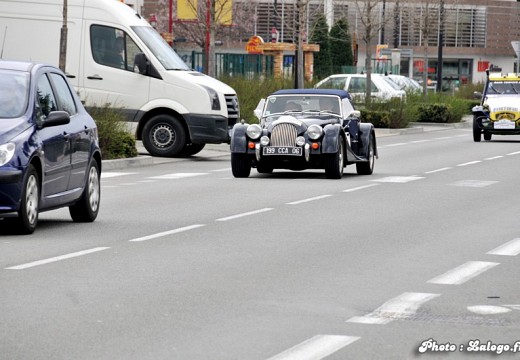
(49, 150)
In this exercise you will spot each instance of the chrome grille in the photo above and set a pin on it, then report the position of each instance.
(283, 135)
(233, 109)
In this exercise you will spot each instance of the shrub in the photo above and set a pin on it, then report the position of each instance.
(114, 139)
(437, 113)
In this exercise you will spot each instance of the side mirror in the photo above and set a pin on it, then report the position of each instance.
(477, 95)
(55, 118)
(141, 64)
(259, 108)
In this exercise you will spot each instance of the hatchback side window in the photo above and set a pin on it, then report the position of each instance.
(46, 100)
(65, 99)
(357, 85)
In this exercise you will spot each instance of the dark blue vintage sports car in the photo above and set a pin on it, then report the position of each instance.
(49, 151)
(304, 129)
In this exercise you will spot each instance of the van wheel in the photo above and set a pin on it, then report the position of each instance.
(191, 149)
(30, 200)
(86, 209)
(164, 135)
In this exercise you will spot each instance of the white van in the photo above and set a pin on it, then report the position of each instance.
(115, 57)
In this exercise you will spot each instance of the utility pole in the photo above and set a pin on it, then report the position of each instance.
(63, 39)
(440, 45)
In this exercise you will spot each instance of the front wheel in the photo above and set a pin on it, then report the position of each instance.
(240, 165)
(30, 200)
(191, 149)
(367, 168)
(477, 133)
(87, 208)
(487, 135)
(334, 163)
(164, 135)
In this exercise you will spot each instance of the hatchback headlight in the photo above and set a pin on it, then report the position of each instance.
(6, 153)
(314, 131)
(254, 131)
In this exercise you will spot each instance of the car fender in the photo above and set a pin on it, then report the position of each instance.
(239, 138)
(365, 131)
(331, 134)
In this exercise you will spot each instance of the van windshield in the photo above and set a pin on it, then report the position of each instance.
(160, 48)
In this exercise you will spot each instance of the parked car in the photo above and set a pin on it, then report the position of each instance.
(304, 129)
(49, 151)
(356, 85)
(499, 109)
(405, 83)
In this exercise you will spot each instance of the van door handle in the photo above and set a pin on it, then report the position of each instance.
(94, 77)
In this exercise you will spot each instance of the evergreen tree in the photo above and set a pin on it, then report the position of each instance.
(320, 36)
(340, 46)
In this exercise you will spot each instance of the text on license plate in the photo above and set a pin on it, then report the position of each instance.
(504, 124)
(282, 150)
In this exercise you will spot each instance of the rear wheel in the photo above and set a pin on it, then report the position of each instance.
(86, 209)
(240, 165)
(477, 133)
(164, 135)
(367, 168)
(334, 163)
(30, 200)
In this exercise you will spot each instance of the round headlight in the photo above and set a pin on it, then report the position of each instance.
(264, 140)
(314, 131)
(254, 131)
(300, 141)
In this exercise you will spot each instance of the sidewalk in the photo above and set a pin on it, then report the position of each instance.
(216, 150)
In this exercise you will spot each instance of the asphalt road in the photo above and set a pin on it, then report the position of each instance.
(187, 262)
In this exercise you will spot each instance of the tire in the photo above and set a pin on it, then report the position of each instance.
(334, 163)
(191, 149)
(164, 135)
(367, 168)
(30, 201)
(477, 133)
(240, 165)
(87, 208)
(487, 135)
(264, 168)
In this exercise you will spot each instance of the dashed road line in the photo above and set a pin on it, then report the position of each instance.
(511, 248)
(169, 232)
(56, 258)
(438, 170)
(474, 183)
(244, 214)
(463, 273)
(400, 307)
(315, 348)
(494, 157)
(360, 188)
(308, 200)
(105, 175)
(399, 179)
(470, 163)
(514, 153)
(176, 176)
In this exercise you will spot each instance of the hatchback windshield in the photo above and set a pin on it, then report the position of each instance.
(13, 93)
(160, 48)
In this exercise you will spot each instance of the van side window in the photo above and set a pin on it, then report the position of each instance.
(112, 47)
(45, 97)
(64, 97)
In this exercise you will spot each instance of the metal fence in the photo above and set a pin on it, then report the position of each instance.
(246, 65)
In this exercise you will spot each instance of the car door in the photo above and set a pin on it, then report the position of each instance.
(79, 132)
(110, 77)
(55, 144)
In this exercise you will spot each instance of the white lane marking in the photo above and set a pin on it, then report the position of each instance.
(176, 176)
(165, 233)
(219, 170)
(308, 200)
(399, 179)
(494, 157)
(396, 144)
(444, 138)
(419, 141)
(438, 170)
(400, 307)
(146, 181)
(511, 248)
(105, 175)
(488, 309)
(474, 183)
(315, 348)
(244, 214)
(514, 153)
(56, 258)
(469, 163)
(360, 187)
(463, 273)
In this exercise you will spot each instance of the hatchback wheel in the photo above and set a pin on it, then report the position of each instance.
(86, 209)
(28, 213)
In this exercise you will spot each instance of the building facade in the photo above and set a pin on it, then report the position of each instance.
(476, 33)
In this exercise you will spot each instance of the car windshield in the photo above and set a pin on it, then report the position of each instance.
(503, 87)
(13, 93)
(302, 105)
(160, 48)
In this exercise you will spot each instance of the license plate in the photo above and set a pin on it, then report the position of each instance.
(504, 124)
(282, 150)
